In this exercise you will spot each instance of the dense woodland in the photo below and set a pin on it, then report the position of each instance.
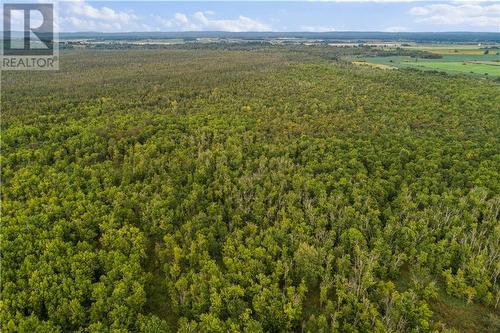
(247, 191)
(319, 50)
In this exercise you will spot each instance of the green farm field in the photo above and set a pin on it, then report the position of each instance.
(461, 67)
(477, 65)
(475, 60)
(451, 49)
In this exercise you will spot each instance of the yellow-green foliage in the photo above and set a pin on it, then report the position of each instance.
(244, 191)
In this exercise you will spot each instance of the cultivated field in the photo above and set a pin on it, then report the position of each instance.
(455, 59)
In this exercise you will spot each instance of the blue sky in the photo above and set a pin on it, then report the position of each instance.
(391, 15)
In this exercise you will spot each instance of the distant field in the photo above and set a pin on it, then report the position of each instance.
(462, 67)
(472, 64)
(453, 49)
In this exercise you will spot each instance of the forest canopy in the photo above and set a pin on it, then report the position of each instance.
(247, 191)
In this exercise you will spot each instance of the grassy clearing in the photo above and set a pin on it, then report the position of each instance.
(465, 318)
(450, 312)
(456, 59)
(453, 64)
(493, 63)
(464, 57)
(461, 67)
(452, 49)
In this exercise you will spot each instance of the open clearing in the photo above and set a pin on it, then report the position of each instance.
(453, 49)
(472, 59)
(461, 67)
(454, 64)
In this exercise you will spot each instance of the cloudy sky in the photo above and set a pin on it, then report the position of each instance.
(337, 15)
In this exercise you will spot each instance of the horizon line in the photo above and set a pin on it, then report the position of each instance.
(278, 31)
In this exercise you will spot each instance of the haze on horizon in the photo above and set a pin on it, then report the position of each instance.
(281, 16)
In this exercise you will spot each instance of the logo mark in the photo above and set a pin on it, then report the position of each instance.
(28, 42)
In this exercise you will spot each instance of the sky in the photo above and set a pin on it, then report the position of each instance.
(314, 16)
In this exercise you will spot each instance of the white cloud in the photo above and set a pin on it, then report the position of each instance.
(317, 29)
(83, 9)
(81, 16)
(474, 15)
(420, 11)
(181, 18)
(202, 21)
(396, 29)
